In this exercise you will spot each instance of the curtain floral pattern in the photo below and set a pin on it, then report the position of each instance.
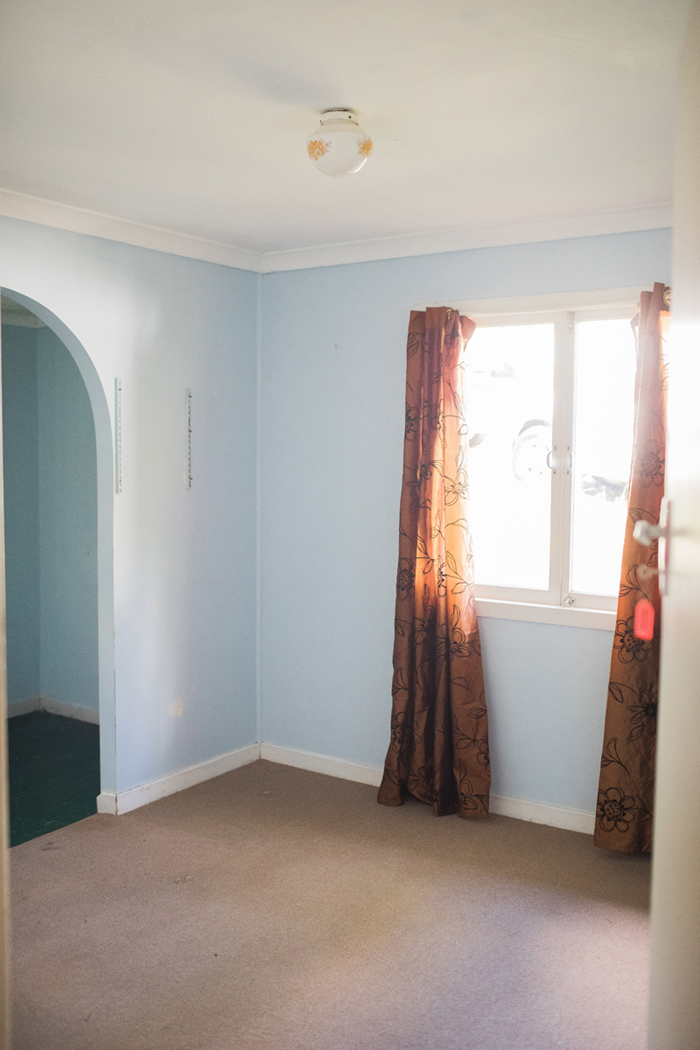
(439, 749)
(624, 815)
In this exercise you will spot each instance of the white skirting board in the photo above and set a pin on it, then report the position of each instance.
(332, 767)
(521, 809)
(54, 707)
(540, 813)
(124, 801)
(133, 798)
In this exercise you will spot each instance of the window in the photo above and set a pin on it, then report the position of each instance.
(550, 405)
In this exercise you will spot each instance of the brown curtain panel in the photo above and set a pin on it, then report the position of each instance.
(624, 815)
(439, 749)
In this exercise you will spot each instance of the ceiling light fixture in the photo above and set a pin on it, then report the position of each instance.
(339, 146)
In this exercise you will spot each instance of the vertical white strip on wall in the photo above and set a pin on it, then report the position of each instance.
(117, 436)
(259, 509)
(188, 448)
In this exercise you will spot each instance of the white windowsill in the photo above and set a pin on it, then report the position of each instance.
(565, 616)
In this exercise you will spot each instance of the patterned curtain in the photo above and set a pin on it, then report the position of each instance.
(439, 749)
(624, 815)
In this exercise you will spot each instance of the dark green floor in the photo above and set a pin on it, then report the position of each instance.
(54, 773)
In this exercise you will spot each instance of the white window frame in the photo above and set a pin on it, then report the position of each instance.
(558, 605)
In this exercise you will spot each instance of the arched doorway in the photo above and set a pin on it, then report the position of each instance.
(68, 519)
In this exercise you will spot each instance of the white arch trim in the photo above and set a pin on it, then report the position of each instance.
(105, 530)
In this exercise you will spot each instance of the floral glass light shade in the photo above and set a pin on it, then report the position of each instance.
(339, 146)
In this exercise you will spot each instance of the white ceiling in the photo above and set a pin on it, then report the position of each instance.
(192, 115)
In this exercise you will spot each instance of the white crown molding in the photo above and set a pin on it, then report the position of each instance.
(653, 217)
(94, 224)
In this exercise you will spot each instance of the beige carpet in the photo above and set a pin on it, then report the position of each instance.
(273, 908)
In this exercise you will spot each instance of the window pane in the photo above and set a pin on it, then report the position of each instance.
(509, 385)
(603, 431)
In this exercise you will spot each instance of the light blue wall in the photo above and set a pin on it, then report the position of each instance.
(50, 521)
(21, 475)
(67, 528)
(546, 686)
(333, 407)
(184, 567)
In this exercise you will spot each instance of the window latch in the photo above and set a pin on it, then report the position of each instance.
(549, 459)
